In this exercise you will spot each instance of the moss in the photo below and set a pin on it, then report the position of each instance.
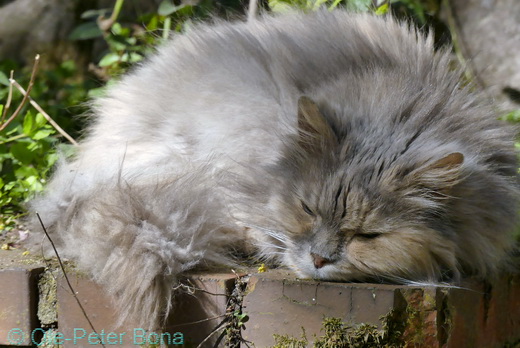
(422, 317)
(444, 318)
(236, 318)
(393, 328)
(49, 339)
(47, 289)
(341, 335)
(336, 334)
(285, 341)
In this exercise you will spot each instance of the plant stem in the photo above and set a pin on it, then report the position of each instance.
(9, 98)
(166, 28)
(16, 137)
(117, 10)
(47, 117)
(26, 95)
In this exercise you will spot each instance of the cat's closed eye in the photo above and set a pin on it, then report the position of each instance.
(307, 210)
(360, 234)
(368, 235)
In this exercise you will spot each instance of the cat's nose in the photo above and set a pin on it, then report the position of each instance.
(319, 261)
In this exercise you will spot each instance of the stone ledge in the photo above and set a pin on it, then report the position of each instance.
(476, 314)
(18, 304)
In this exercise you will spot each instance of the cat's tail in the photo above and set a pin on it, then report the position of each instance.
(135, 239)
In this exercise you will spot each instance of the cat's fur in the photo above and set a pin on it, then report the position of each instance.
(338, 145)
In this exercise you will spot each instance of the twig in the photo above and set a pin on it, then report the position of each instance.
(106, 23)
(461, 51)
(26, 96)
(200, 321)
(67, 278)
(47, 117)
(13, 138)
(226, 323)
(9, 97)
(192, 289)
(201, 344)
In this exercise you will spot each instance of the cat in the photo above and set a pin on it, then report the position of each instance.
(338, 145)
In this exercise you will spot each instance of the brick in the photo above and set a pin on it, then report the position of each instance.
(485, 315)
(370, 302)
(18, 305)
(72, 324)
(188, 318)
(208, 301)
(19, 275)
(475, 314)
(278, 304)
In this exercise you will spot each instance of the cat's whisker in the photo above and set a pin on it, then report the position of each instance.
(270, 245)
(272, 233)
(274, 253)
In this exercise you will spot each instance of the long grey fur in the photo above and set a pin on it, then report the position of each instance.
(201, 151)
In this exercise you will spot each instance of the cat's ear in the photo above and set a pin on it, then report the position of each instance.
(314, 133)
(442, 174)
(451, 161)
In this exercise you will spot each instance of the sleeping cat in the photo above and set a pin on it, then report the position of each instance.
(338, 145)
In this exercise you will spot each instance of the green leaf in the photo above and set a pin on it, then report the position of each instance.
(334, 5)
(39, 121)
(69, 66)
(109, 59)
(513, 116)
(94, 13)
(359, 5)
(24, 172)
(4, 80)
(34, 146)
(14, 130)
(131, 57)
(116, 29)
(21, 152)
(383, 9)
(33, 183)
(167, 7)
(117, 42)
(52, 158)
(185, 10)
(86, 31)
(42, 133)
(28, 123)
(9, 185)
(153, 23)
(279, 6)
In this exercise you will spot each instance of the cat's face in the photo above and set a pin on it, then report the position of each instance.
(343, 217)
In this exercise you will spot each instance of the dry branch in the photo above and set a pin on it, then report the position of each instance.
(26, 95)
(47, 117)
(9, 98)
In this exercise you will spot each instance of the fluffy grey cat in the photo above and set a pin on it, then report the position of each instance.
(338, 145)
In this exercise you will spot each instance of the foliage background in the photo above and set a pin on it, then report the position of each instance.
(30, 146)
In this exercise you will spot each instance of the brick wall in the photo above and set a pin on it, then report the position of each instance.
(476, 314)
